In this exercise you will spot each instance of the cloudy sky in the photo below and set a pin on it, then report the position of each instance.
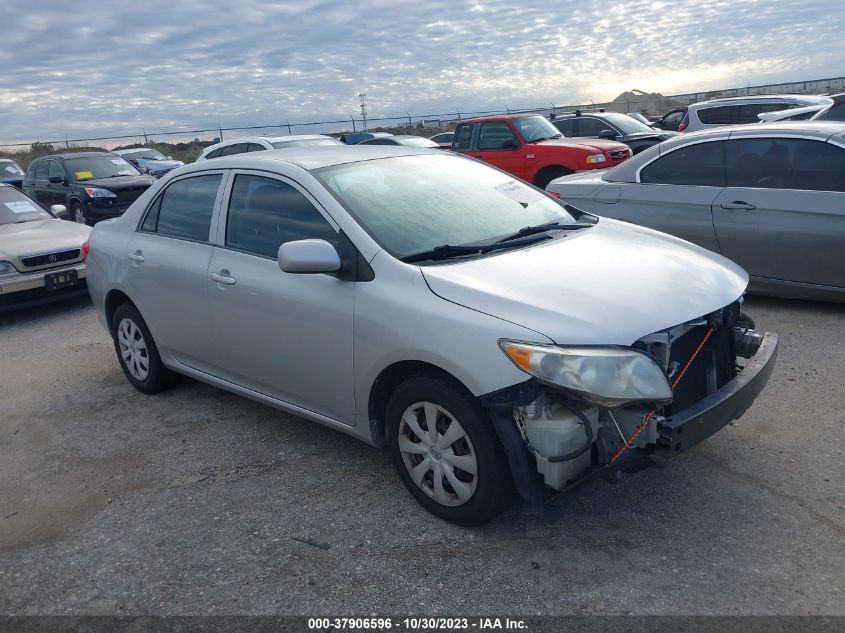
(92, 67)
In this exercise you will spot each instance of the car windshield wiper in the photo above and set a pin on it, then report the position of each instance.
(546, 138)
(542, 228)
(448, 251)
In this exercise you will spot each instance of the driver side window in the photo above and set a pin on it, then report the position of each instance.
(494, 134)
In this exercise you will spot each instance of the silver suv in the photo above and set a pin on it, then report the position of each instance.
(737, 110)
(490, 336)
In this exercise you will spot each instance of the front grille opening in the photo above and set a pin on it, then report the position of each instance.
(47, 259)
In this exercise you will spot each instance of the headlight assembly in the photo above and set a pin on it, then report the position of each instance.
(596, 158)
(604, 376)
(96, 192)
(7, 269)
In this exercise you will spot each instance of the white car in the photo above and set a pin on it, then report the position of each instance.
(791, 114)
(261, 143)
(738, 110)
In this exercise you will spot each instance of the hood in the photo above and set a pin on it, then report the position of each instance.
(118, 183)
(592, 144)
(610, 284)
(40, 236)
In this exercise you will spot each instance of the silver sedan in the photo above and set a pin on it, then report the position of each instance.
(494, 339)
(771, 197)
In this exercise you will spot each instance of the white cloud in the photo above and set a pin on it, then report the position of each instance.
(105, 68)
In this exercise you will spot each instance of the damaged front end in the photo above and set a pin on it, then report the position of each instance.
(597, 411)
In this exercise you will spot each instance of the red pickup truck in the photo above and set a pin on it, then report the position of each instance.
(530, 147)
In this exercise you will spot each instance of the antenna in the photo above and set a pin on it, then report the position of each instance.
(363, 97)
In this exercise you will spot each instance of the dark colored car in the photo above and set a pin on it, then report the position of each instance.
(10, 172)
(612, 126)
(92, 185)
(402, 139)
(835, 111)
(671, 120)
(353, 138)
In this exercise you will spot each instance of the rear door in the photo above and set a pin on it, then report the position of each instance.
(284, 335)
(782, 215)
(168, 273)
(675, 193)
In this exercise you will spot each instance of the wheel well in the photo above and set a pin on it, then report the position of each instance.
(390, 378)
(115, 299)
(549, 173)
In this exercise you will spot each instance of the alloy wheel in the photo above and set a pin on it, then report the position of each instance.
(133, 349)
(79, 214)
(438, 454)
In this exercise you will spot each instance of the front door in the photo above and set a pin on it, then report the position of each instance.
(499, 146)
(284, 335)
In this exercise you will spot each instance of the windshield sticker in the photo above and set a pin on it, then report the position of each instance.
(21, 206)
(82, 175)
(518, 192)
(11, 169)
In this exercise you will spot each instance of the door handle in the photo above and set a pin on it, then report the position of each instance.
(738, 205)
(136, 256)
(222, 279)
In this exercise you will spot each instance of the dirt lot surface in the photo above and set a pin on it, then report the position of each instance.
(200, 502)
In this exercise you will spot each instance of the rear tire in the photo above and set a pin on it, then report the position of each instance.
(137, 352)
(446, 451)
(545, 176)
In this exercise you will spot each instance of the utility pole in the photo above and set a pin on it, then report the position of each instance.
(363, 97)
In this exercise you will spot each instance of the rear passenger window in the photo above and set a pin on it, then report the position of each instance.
(255, 147)
(588, 126)
(567, 127)
(213, 154)
(265, 213)
(238, 148)
(185, 208)
(701, 164)
(785, 163)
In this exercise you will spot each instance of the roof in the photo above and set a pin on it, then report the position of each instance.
(496, 117)
(73, 155)
(269, 139)
(310, 158)
(804, 99)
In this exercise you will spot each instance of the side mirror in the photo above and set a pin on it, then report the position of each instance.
(55, 180)
(608, 134)
(308, 256)
(509, 143)
(60, 211)
(169, 157)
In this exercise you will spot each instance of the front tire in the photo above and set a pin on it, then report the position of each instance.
(545, 176)
(78, 214)
(137, 352)
(446, 451)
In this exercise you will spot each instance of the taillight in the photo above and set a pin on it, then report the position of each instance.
(553, 194)
(682, 127)
(85, 250)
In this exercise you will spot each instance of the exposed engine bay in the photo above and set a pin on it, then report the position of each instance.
(568, 436)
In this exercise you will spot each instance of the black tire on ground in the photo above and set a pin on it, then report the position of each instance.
(547, 175)
(158, 377)
(77, 209)
(494, 489)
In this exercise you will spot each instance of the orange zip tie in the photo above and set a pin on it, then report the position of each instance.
(651, 413)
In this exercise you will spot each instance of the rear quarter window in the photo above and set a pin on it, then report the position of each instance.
(701, 164)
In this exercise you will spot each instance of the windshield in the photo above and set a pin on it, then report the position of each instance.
(9, 167)
(149, 154)
(627, 125)
(89, 167)
(411, 204)
(536, 128)
(305, 142)
(16, 207)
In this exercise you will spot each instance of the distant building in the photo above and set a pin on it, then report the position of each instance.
(648, 103)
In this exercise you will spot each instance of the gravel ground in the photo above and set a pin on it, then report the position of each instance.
(200, 502)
